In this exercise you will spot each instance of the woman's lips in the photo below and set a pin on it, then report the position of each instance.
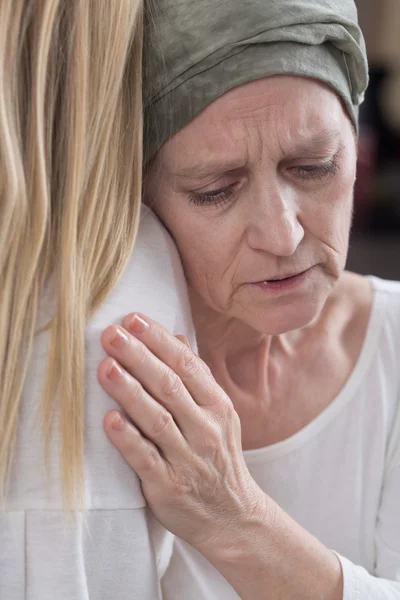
(283, 284)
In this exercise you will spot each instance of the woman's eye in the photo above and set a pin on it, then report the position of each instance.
(213, 197)
(317, 171)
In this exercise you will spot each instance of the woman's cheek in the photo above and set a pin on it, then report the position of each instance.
(334, 222)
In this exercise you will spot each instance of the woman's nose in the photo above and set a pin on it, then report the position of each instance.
(274, 226)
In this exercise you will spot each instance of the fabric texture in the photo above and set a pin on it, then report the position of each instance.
(116, 549)
(196, 51)
(338, 477)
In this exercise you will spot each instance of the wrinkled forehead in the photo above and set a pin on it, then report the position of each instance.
(275, 112)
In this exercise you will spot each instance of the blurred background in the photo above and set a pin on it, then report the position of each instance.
(375, 239)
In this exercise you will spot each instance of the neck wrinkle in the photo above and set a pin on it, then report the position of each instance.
(237, 354)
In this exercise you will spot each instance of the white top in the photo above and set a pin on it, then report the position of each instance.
(339, 476)
(120, 552)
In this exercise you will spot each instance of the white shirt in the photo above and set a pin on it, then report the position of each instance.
(121, 552)
(339, 476)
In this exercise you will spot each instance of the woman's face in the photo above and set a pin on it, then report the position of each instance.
(255, 190)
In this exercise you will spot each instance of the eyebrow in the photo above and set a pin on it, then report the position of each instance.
(205, 169)
(321, 142)
(313, 146)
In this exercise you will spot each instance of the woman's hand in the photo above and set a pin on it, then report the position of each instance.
(184, 438)
(184, 443)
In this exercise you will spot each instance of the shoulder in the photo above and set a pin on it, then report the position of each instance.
(152, 281)
(382, 350)
(385, 319)
(387, 300)
(378, 298)
(377, 368)
(387, 295)
(155, 254)
(388, 292)
(154, 243)
(385, 286)
(384, 314)
(152, 230)
(369, 318)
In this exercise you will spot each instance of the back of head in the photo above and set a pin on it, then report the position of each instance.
(70, 186)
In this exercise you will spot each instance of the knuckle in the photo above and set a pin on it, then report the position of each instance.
(150, 458)
(171, 384)
(184, 485)
(186, 362)
(141, 353)
(212, 440)
(224, 407)
(162, 423)
(181, 482)
(135, 390)
(159, 333)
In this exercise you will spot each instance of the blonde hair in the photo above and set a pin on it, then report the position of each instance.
(70, 187)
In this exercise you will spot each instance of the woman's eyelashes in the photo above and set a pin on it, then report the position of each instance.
(318, 172)
(218, 197)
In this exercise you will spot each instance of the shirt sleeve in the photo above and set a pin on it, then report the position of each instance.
(384, 582)
(361, 585)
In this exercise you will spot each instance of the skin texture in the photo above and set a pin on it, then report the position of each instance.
(289, 208)
(259, 186)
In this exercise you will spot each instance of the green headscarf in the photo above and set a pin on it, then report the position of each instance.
(196, 50)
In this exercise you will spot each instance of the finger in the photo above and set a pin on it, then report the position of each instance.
(156, 378)
(149, 416)
(140, 454)
(194, 373)
(184, 340)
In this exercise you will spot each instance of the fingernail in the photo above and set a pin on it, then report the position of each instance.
(115, 372)
(120, 339)
(138, 325)
(118, 422)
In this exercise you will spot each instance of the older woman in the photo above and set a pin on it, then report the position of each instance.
(278, 464)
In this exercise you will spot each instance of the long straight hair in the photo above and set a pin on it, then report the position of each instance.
(70, 188)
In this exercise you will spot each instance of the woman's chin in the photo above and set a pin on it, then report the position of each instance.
(282, 319)
(286, 310)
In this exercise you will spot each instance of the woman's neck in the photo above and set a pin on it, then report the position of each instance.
(297, 373)
(230, 341)
(234, 351)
